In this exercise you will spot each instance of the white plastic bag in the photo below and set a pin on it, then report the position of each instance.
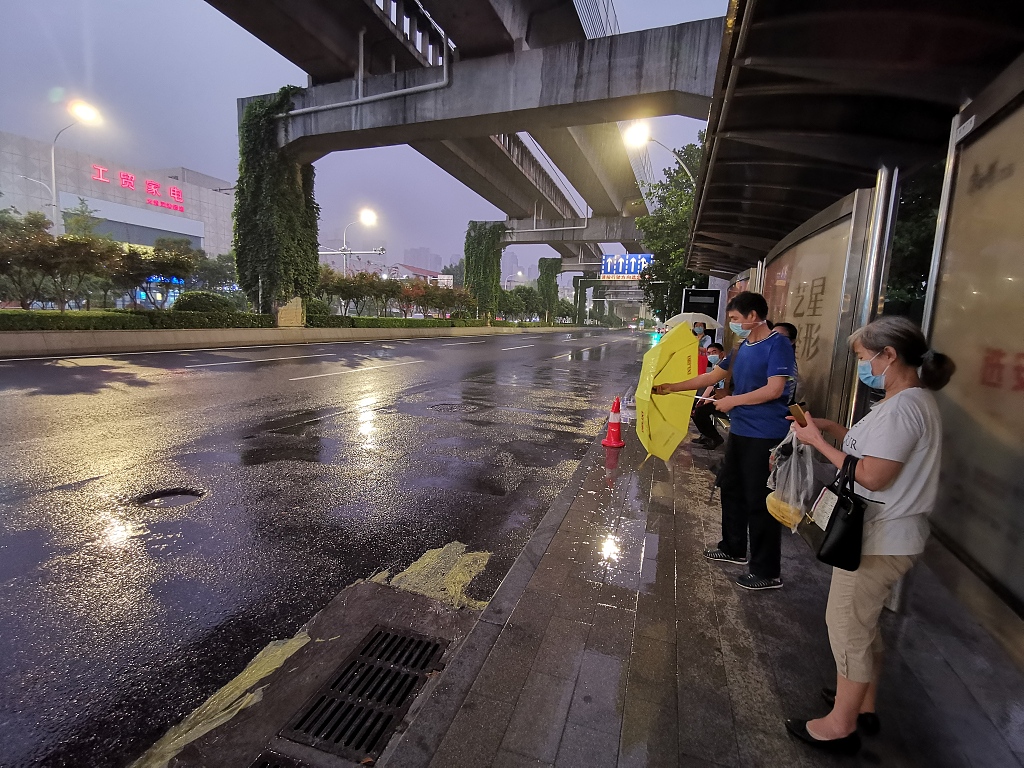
(794, 488)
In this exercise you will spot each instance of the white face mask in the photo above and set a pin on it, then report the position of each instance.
(742, 332)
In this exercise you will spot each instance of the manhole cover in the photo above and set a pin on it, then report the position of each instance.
(355, 714)
(455, 408)
(169, 497)
(274, 760)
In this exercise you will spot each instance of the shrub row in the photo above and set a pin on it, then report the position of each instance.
(131, 320)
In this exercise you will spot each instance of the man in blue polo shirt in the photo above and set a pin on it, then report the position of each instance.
(763, 369)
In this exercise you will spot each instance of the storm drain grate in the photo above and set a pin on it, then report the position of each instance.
(455, 408)
(364, 702)
(274, 760)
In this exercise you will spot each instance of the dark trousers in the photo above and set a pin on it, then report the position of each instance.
(744, 484)
(703, 419)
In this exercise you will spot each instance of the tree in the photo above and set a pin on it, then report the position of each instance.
(547, 285)
(171, 264)
(276, 215)
(914, 235)
(216, 274)
(666, 234)
(81, 220)
(530, 299)
(457, 271)
(24, 244)
(483, 263)
(566, 310)
(511, 305)
(131, 270)
(463, 302)
(409, 297)
(71, 259)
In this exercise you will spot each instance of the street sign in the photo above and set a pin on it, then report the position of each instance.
(624, 267)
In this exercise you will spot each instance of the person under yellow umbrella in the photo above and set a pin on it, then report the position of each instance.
(663, 419)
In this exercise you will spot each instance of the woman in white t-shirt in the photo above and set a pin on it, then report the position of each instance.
(898, 443)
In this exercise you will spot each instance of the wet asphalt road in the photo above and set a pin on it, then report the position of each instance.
(321, 464)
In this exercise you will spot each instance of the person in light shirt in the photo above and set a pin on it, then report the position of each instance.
(898, 445)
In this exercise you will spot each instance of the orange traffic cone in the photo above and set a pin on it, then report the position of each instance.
(614, 437)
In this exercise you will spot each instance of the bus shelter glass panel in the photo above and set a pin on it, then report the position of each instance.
(979, 322)
(804, 286)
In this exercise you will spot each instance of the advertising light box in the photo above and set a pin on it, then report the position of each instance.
(978, 322)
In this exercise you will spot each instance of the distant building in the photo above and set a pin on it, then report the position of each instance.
(135, 205)
(423, 258)
(509, 263)
(410, 272)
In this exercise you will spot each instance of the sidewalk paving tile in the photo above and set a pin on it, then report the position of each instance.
(600, 688)
(582, 747)
(538, 720)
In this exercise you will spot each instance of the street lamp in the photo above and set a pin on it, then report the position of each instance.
(368, 218)
(639, 133)
(512, 277)
(83, 113)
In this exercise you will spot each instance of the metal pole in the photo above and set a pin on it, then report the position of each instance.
(875, 266)
(679, 157)
(935, 268)
(57, 225)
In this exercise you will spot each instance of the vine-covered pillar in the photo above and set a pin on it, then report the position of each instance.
(276, 215)
(483, 264)
(547, 285)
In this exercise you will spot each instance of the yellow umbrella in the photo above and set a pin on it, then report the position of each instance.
(662, 421)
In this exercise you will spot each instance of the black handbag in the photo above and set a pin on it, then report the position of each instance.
(844, 534)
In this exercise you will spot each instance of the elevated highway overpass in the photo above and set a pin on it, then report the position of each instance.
(402, 46)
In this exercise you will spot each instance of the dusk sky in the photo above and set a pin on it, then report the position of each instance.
(166, 75)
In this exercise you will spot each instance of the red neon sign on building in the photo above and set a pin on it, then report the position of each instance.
(127, 181)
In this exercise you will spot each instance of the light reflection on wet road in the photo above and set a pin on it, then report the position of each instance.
(117, 619)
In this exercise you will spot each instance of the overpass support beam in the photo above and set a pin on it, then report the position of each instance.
(598, 229)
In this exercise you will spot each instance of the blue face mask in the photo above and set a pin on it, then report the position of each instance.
(740, 331)
(873, 380)
(713, 359)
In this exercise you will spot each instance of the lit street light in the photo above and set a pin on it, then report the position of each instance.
(639, 134)
(83, 113)
(368, 218)
(512, 277)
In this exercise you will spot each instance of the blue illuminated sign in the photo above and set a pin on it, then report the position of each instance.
(624, 267)
(162, 279)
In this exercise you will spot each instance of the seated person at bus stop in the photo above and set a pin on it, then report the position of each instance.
(762, 367)
(704, 411)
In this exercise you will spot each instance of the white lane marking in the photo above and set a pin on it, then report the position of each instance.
(509, 349)
(526, 338)
(262, 360)
(460, 343)
(354, 370)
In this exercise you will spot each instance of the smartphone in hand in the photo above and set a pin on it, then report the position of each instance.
(798, 414)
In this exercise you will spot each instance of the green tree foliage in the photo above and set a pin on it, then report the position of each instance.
(547, 285)
(81, 220)
(483, 264)
(914, 235)
(566, 310)
(511, 305)
(530, 299)
(317, 307)
(216, 274)
(666, 234)
(204, 301)
(276, 215)
(24, 244)
(173, 259)
(458, 273)
(72, 259)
